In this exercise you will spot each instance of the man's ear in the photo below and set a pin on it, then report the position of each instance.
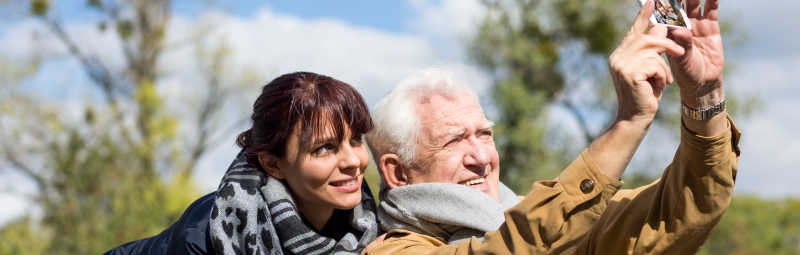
(270, 164)
(393, 172)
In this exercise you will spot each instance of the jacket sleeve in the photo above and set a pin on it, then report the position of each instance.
(675, 214)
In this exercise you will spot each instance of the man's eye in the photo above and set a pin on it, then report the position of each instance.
(454, 140)
(486, 133)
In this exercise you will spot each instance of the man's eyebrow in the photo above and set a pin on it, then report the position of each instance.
(489, 124)
(456, 131)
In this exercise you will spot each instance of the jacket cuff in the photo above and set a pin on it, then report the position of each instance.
(583, 182)
(711, 147)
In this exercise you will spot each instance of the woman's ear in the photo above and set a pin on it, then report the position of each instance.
(270, 164)
(393, 171)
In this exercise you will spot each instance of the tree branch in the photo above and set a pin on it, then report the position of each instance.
(24, 168)
(96, 70)
(571, 108)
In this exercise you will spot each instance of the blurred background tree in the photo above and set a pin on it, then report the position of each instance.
(122, 171)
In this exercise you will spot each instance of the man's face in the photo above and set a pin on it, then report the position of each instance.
(455, 145)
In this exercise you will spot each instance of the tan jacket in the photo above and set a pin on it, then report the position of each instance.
(582, 211)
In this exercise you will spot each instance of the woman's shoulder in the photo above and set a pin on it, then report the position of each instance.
(190, 233)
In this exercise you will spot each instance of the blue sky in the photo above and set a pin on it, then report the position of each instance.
(373, 44)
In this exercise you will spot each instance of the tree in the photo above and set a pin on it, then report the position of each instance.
(122, 171)
(754, 225)
(552, 54)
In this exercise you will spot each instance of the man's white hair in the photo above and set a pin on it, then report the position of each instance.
(396, 123)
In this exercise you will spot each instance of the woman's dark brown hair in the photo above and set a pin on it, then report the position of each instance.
(313, 101)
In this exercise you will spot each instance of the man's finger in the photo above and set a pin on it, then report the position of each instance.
(652, 74)
(658, 30)
(712, 9)
(662, 45)
(668, 79)
(693, 9)
(682, 36)
(662, 76)
(643, 19)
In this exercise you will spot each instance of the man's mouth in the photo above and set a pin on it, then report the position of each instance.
(475, 181)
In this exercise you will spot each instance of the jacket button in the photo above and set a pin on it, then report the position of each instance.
(587, 185)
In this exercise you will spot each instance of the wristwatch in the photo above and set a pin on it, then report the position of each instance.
(702, 113)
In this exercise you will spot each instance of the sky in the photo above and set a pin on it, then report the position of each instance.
(374, 44)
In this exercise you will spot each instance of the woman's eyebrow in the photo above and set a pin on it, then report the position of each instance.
(324, 140)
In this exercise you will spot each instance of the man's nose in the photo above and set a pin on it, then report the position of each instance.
(477, 157)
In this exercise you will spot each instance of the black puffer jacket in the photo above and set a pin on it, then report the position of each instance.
(187, 236)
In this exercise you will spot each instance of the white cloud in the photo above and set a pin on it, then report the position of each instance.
(771, 27)
(14, 207)
(446, 19)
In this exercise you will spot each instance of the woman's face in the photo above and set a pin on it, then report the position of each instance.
(327, 174)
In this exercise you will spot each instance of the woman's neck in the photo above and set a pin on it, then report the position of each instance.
(316, 214)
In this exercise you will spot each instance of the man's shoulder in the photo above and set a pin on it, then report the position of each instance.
(401, 241)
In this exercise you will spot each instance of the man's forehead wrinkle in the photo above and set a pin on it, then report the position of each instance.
(448, 128)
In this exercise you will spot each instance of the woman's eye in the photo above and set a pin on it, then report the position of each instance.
(324, 149)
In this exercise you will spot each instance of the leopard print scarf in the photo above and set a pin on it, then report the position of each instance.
(254, 213)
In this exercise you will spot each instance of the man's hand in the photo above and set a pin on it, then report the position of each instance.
(699, 71)
(639, 72)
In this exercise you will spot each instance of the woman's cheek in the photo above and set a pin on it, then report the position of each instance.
(317, 171)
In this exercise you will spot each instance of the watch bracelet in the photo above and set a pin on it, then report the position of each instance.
(702, 113)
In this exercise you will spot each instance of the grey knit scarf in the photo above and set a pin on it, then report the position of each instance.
(254, 213)
(449, 211)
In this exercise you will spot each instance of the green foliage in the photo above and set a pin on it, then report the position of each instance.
(754, 225)
(125, 29)
(21, 237)
(40, 7)
(101, 192)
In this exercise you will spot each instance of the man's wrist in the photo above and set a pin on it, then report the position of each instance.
(703, 96)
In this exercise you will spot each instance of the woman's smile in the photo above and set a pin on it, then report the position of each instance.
(348, 185)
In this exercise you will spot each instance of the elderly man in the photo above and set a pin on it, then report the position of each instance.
(440, 192)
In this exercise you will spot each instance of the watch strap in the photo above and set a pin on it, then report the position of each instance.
(702, 113)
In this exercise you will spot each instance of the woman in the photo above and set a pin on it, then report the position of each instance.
(297, 185)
